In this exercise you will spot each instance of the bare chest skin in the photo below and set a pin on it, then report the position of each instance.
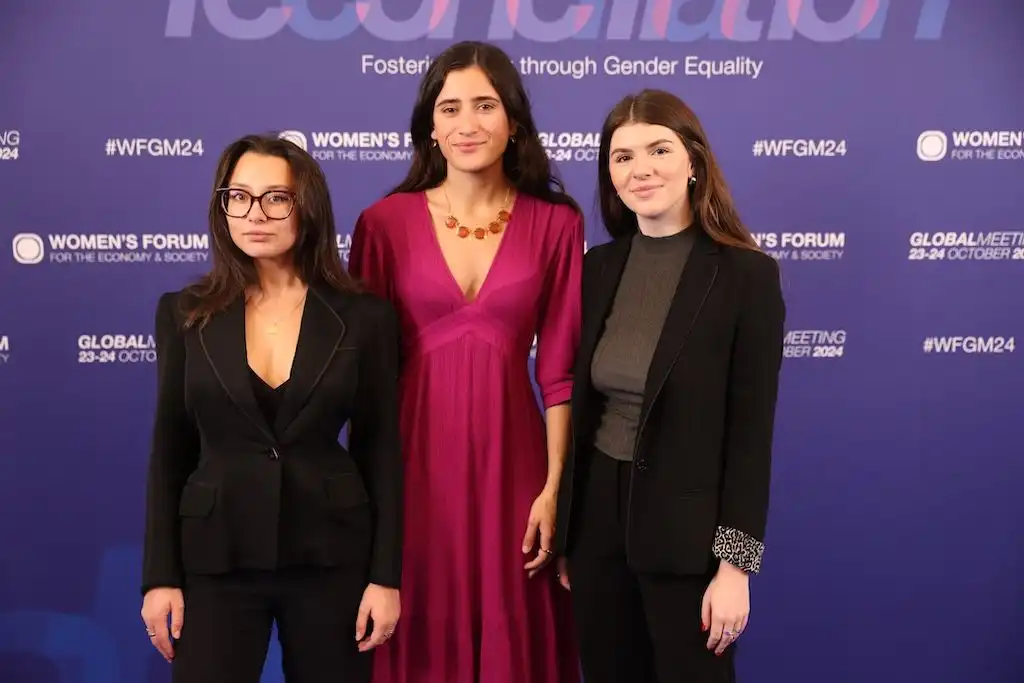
(271, 337)
(468, 259)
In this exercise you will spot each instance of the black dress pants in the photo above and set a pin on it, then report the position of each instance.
(633, 628)
(228, 620)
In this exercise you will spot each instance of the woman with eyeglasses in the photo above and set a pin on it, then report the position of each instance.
(255, 513)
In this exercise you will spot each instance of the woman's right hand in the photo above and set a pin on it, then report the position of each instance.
(157, 605)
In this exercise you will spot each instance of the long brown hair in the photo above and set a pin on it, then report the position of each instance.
(525, 161)
(710, 198)
(315, 251)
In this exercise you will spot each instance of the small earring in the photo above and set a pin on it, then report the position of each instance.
(434, 143)
(512, 139)
(693, 181)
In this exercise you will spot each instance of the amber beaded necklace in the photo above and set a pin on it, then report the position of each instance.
(494, 227)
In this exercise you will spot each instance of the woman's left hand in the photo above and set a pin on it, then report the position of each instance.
(726, 607)
(542, 520)
(383, 606)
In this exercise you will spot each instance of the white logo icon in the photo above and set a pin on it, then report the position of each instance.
(932, 145)
(28, 248)
(295, 137)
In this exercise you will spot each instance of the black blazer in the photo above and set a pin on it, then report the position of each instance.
(701, 468)
(225, 493)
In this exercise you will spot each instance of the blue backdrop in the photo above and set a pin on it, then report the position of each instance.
(874, 146)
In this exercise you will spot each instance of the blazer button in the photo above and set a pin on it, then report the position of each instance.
(641, 465)
(274, 455)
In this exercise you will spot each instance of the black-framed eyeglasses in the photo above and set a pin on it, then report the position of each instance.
(237, 203)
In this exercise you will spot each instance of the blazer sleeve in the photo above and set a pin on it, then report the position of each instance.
(558, 330)
(375, 444)
(752, 391)
(174, 454)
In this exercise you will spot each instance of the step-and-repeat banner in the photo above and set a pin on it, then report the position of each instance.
(874, 147)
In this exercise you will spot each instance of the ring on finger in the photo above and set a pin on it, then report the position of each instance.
(545, 551)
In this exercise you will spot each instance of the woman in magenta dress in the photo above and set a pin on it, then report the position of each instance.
(480, 250)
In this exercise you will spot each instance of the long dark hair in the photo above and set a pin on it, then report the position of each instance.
(710, 198)
(525, 161)
(315, 251)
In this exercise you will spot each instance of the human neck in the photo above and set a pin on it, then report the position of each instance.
(482, 190)
(666, 225)
(277, 279)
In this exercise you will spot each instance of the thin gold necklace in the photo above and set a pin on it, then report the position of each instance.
(273, 328)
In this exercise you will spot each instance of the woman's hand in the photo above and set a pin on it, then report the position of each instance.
(384, 606)
(726, 607)
(542, 519)
(157, 605)
(563, 573)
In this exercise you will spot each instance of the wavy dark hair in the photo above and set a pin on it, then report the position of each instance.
(315, 252)
(710, 198)
(525, 161)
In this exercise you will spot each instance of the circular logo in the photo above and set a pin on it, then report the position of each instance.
(932, 145)
(295, 137)
(28, 248)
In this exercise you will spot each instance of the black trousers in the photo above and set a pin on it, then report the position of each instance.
(633, 628)
(228, 621)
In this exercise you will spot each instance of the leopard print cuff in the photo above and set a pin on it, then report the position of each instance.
(738, 548)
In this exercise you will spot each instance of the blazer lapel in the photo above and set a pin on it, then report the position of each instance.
(223, 342)
(598, 303)
(598, 295)
(694, 285)
(321, 331)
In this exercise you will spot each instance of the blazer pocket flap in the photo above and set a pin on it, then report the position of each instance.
(346, 491)
(197, 500)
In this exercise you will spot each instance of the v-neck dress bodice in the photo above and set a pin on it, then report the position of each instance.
(474, 439)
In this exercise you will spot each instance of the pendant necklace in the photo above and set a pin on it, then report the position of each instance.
(273, 327)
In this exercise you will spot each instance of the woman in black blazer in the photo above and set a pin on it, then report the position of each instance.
(663, 502)
(255, 513)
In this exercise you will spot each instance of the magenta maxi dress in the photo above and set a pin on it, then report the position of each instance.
(474, 440)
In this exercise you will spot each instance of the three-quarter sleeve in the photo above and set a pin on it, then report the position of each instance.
(174, 454)
(752, 392)
(369, 258)
(558, 329)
